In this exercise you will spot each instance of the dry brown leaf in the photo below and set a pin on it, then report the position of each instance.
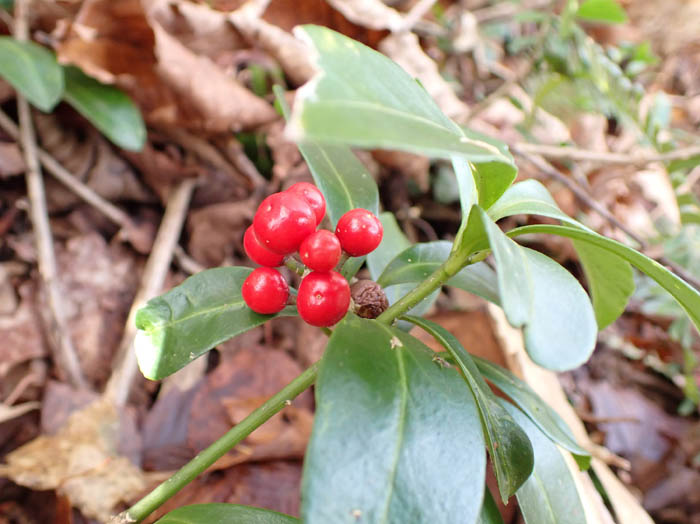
(11, 160)
(292, 55)
(99, 283)
(81, 462)
(222, 103)
(91, 160)
(21, 332)
(414, 167)
(241, 383)
(405, 49)
(273, 485)
(118, 43)
(215, 231)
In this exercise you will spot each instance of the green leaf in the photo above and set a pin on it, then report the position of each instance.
(511, 453)
(32, 70)
(515, 281)
(396, 437)
(107, 108)
(394, 242)
(537, 293)
(606, 11)
(549, 422)
(192, 318)
(610, 279)
(224, 514)
(420, 260)
(685, 295)
(489, 511)
(362, 98)
(549, 496)
(529, 198)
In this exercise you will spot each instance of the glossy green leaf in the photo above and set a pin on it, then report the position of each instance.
(32, 70)
(686, 295)
(549, 422)
(394, 242)
(511, 453)
(489, 510)
(190, 319)
(537, 293)
(109, 109)
(610, 281)
(420, 260)
(396, 437)
(224, 514)
(562, 331)
(362, 98)
(606, 11)
(529, 197)
(549, 496)
(492, 177)
(515, 280)
(610, 278)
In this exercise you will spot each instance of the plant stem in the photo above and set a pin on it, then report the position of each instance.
(206, 458)
(447, 270)
(294, 265)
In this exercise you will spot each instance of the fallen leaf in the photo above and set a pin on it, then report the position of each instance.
(118, 43)
(11, 160)
(272, 485)
(91, 160)
(222, 103)
(99, 282)
(241, 383)
(215, 230)
(21, 332)
(81, 462)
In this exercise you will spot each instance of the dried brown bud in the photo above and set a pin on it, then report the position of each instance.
(369, 299)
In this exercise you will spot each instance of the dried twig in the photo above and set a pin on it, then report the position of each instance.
(414, 15)
(636, 159)
(64, 176)
(152, 281)
(66, 354)
(553, 173)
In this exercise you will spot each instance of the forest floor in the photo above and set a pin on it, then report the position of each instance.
(201, 74)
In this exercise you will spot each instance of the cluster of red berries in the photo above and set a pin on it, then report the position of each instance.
(286, 222)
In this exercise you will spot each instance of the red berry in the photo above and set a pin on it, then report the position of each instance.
(359, 232)
(313, 197)
(320, 251)
(283, 221)
(323, 298)
(259, 253)
(265, 290)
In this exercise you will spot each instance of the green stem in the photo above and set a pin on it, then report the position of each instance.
(447, 270)
(206, 458)
(294, 265)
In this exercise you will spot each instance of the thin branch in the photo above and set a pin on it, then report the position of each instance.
(636, 159)
(152, 281)
(414, 15)
(64, 176)
(66, 354)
